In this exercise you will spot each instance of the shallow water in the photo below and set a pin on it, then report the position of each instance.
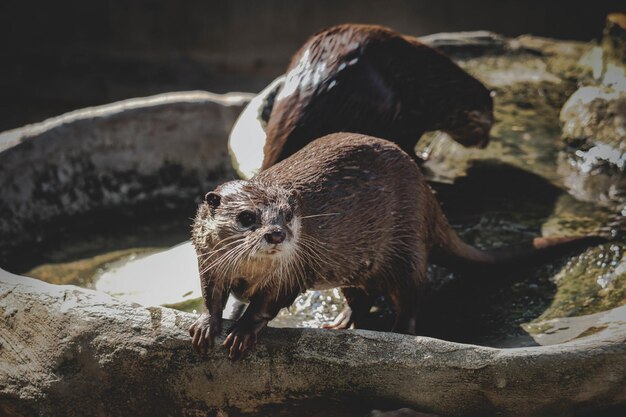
(90, 245)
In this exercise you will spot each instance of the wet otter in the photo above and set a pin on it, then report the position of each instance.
(372, 80)
(349, 211)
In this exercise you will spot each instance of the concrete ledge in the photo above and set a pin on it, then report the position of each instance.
(89, 159)
(70, 351)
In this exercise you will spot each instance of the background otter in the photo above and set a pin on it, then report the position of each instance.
(348, 211)
(372, 80)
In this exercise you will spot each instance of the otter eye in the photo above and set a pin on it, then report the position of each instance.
(288, 216)
(246, 218)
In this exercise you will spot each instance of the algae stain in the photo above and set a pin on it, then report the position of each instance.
(194, 305)
(83, 271)
(592, 282)
(591, 331)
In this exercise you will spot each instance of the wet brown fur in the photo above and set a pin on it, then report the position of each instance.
(372, 80)
(368, 223)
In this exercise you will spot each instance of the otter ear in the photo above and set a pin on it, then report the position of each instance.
(213, 199)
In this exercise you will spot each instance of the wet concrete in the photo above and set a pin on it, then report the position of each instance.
(71, 351)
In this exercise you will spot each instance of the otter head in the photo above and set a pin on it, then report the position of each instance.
(470, 124)
(249, 227)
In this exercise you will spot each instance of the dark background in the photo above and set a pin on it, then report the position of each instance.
(57, 56)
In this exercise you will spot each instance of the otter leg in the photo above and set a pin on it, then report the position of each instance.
(209, 324)
(243, 335)
(407, 297)
(406, 313)
(355, 313)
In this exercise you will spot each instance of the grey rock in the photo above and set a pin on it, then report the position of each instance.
(73, 352)
(594, 123)
(87, 159)
(597, 114)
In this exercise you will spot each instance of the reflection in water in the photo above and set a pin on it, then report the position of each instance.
(154, 279)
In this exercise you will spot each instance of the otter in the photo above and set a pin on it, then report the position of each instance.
(349, 211)
(372, 80)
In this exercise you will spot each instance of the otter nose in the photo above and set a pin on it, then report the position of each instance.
(276, 236)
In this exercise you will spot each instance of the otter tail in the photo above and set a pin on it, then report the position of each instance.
(455, 254)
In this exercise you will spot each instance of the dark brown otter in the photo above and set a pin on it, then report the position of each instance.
(348, 211)
(372, 80)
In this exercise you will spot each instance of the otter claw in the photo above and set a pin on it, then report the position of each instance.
(342, 321)
(241, 340)
(203, 333)
(238, 345)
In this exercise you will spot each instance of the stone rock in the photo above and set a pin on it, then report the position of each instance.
(594, 123)
(467, 44)
(597, 114)
(74, 352)
(86, 159)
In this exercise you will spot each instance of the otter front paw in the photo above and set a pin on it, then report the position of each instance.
(343, 321)
(203, 333)
(242, 339)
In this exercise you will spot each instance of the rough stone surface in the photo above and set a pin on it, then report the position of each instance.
(597, 114)
(88, 159)
(467, 44)
(73, 352)
(594, 122)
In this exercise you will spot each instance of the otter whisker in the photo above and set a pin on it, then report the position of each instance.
(225, 239)
(314, 252)
(226, 247)
(230, 261)
(300, 271)
(234, 262)
(312, 259)
(210, 253)
(319, 215)
(219, 260)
